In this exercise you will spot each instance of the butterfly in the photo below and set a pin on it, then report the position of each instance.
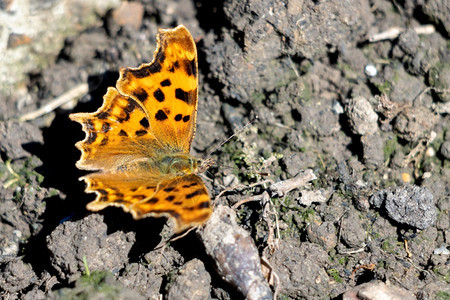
(138, 141)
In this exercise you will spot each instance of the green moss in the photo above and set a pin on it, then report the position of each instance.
(381, 264)
(308, 214)
(387, 246)
(306, 92)
(334, 273)
(257, 97)
(442, 274)
(383, 88)
(443, 295)
(21, 174)
(305, 66)
(389, 148)
(343, 260)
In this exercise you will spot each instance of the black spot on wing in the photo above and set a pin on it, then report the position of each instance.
(190, 67)
(160, 115)
(169, 189)
(104, 141)
(182, 95)
(122, 133)
(89, 125)
(146, 71)
(170, 198)
(160, 57)
(152, 200)
(198, 192)
(91, 138)
(141, 132)
(178, 117)
(141, 95)
(144, 122)
(159, 95)
(190, 185)
(175, 66)
(203, 205)
(166, 82)
(186, 118)
(103, 115)
(106, 127)
(128, 109)
(194, 67)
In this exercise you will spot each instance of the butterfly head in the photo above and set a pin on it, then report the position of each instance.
(205, 164)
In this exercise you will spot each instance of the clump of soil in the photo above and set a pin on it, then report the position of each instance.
(355, 92)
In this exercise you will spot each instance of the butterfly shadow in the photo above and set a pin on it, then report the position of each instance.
(59, 155)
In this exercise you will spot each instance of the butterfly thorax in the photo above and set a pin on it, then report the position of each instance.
(179, 163)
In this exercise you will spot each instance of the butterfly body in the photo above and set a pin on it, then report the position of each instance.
(138, 141)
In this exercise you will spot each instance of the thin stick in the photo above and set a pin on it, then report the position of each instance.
(394, 32)
(76, 92)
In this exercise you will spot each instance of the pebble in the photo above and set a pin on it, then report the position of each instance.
(370, 70)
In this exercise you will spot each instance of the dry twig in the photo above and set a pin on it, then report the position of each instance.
(394, 32)
(76, 92)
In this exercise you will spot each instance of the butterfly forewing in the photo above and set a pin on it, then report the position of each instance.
(166, 88)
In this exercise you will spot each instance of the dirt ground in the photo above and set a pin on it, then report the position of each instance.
(354, 93)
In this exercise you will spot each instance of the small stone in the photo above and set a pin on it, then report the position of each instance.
(309, 197)
(406, 177)
(414, 123)
(230, 180)
(362, 116)
(337, 108)
(323, 234)
(234, 253)
(373, 153)
(409, 42)
(353, 233)
(370, 70)
(430, 152)
(15, 40)
(377, 290)
(445, 149)
(439, 78)
(411, 205)
(129, 13)
(441, 251)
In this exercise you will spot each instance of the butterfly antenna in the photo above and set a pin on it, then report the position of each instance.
(230, 137)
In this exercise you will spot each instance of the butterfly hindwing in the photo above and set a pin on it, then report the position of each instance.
(184, 198)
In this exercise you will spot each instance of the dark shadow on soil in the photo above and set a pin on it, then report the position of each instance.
(58, 155)
(147, 230)
(190, 247)
(210, 16)
(356, 147)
